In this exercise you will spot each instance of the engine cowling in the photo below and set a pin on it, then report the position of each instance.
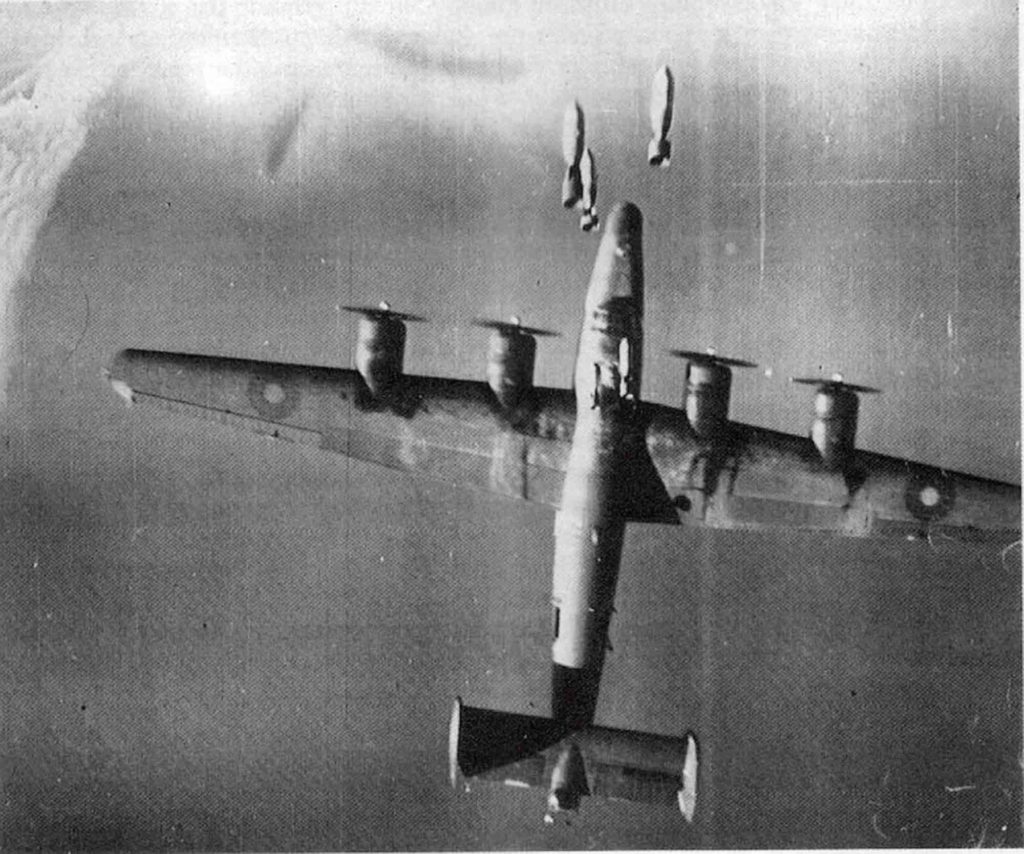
(511, 355)
(708, 383)
(380, 346)
(834, 428)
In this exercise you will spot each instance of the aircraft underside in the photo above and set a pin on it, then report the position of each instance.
(601, 457)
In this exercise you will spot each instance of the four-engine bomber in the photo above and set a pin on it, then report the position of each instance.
(601, 457)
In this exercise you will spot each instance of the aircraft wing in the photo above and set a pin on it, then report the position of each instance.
(750, 478)
(447, 429)
(455, 431)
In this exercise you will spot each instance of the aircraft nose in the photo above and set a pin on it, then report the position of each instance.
(625, 217)
(618, 269)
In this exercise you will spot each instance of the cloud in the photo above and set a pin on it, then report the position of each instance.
(413, 50)
(44, 117)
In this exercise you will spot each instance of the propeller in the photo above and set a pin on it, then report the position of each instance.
(710, 357)
(382, 310)
(514, 324)
(834, 383)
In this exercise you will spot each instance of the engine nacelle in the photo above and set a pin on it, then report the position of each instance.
(707, 397)
(834, 429)
(511, 355)
(510, 360)
(380, 346)
(708, 383)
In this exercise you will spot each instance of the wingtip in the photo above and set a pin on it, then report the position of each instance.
(453, 743)
(688, 793)
(120, 387)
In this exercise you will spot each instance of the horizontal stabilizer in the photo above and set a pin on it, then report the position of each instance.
(536, 752)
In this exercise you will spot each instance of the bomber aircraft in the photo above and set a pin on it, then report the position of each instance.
(601, 457)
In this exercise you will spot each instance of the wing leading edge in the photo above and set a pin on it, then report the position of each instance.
(451, 430)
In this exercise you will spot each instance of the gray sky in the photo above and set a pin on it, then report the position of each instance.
(215, 641)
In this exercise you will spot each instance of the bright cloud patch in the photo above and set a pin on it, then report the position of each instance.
(43, 125)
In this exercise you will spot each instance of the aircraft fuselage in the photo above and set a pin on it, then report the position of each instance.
(590, 523)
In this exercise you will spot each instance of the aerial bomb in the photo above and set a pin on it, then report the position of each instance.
(588, 203)
(572, 151)
(662, 95)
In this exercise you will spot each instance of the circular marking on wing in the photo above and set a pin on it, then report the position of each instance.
(930, 495)
(273, 393)
(274, 398)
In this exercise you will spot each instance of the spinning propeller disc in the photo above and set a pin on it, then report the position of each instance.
(709, 357)
(512, 325)
(383, 310)
(834, 384)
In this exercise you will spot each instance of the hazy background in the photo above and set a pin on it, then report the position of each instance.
(215, 641)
